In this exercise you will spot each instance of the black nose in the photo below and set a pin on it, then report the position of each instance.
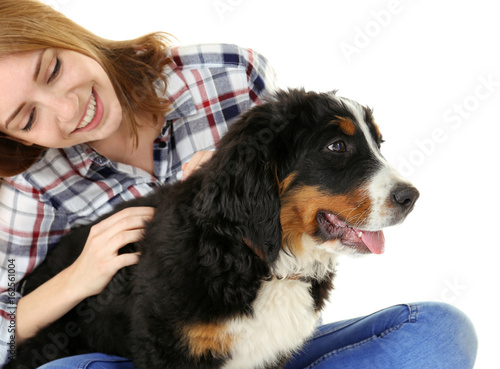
(405, 196)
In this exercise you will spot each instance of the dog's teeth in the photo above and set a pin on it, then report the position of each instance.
(360, 234)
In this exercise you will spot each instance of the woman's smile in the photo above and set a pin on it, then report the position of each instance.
(93, 114)
(89, 112)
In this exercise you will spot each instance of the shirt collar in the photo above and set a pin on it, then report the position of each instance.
(82, 157)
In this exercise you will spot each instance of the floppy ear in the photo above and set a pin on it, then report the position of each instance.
(240, 185)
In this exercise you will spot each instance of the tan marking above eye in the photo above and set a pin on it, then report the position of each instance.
(346, 125)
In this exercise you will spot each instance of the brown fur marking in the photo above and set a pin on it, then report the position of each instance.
(301, 205)
(209, 339)
(346, 125)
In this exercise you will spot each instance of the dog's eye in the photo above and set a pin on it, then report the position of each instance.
(337, 146)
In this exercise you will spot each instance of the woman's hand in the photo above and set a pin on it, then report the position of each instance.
(87, 276)
(196, 161)
(99, 260)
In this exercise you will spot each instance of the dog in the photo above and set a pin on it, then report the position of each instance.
(238, 260)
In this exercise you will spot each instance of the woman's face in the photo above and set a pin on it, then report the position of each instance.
(56, 98)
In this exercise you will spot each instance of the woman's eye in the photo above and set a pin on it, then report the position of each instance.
(337, 146)
(31, 121)
(56, 70)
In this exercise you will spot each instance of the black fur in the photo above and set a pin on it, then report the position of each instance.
(196, 265)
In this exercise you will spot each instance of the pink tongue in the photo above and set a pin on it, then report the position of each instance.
(375, 241)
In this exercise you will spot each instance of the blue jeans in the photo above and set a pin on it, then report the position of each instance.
(414, 336)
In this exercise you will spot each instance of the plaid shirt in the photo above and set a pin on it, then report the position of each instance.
(208, 85)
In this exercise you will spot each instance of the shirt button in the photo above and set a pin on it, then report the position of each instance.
(100, 160)
(162, 145)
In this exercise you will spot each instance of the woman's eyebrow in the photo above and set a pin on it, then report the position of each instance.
(38, 65)
(13, 115)
(35, 78)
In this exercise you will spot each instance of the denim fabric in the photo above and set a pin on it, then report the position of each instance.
(413, 336)
(90, 361)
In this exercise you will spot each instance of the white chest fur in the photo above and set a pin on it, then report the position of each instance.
(283, 319)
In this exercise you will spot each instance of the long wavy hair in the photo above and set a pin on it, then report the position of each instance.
(133, 66)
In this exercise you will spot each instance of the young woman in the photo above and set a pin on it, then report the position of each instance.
(86, 123)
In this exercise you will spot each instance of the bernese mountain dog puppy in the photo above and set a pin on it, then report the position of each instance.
(239, 259)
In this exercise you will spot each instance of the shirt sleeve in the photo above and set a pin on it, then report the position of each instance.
(28, 228)
(209, 86)
(262, 79)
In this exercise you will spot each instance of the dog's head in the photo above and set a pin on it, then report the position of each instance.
(304, 172)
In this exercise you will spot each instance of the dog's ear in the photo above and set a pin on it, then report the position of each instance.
(240, 188)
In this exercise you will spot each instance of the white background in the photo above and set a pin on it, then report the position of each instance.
(430, 70)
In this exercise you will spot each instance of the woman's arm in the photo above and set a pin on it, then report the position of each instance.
(87, 276)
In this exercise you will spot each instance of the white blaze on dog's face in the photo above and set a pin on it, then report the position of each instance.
(342, 192)
(392, 196)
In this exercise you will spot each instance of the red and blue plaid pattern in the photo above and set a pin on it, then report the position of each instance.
(208, 85)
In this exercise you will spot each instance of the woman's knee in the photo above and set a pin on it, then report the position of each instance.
(451, 329)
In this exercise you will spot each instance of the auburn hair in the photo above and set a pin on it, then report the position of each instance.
(133, 66)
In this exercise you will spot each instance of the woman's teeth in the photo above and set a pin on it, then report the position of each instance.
(91, 109)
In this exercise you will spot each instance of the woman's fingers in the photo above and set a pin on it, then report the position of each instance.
(197, 160)
(100, 258)
(126, 219)
(127, 259)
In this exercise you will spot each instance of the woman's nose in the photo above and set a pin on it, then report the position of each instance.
(65, 107)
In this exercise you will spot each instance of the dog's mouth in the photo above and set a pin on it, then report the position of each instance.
(333, 228)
